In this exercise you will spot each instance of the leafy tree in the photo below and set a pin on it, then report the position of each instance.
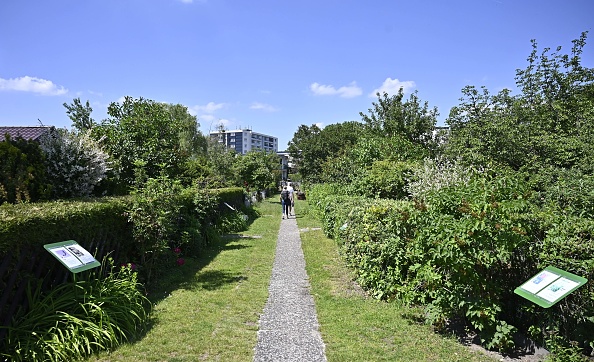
(549, 124)
(258, 170)
(220, 163)
(355, 161)
(393, 116)
(80, 115)
(385, 179)
(312, 146)
(145, 132)
(192, 141)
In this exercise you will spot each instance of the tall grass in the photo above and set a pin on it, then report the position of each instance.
(79, 318)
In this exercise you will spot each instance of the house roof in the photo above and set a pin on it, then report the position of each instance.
(28, 133)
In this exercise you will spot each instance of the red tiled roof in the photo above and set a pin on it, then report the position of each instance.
(28, 133)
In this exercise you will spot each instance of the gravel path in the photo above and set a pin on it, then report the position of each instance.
(289, 325)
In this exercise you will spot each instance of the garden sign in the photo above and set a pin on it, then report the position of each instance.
(72, 256)
(549, 286)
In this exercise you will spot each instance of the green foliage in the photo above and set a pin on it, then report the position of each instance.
(331, 203)
(391, 117)
(462, 252)
(220, 163)
(155, 213)
(561, 351)
(22, 171)
(156, 134)
(77, 319)
(384, 179)
(356, 160)
(566, 191)
(32, 225)
(311, 147)
(569, 245)
(549, 124)
(257, 170)
(80, 115)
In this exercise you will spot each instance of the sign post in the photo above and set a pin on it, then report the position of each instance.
(72, 256)
(549, 286)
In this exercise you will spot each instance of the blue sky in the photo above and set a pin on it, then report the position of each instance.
(270, 65)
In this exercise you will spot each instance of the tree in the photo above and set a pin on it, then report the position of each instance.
(158, 136)
(80, 115)
(220, 163)
(192, 142)
(311, 146)
(258, 170)
(549, 124)
(392, 116)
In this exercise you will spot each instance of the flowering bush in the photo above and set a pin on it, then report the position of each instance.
(75, 163)
(438, 173)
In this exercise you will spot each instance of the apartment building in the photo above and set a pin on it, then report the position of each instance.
(245, 140)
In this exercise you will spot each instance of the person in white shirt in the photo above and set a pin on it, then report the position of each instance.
(291, 197)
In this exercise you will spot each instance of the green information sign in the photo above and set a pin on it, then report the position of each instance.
(72, 256)
(549, 286)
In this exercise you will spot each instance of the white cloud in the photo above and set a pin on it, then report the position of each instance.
(391, 86)
(263, 106)
(350, 91)
(32, 84)
(209, 108)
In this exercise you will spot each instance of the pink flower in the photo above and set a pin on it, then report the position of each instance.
(181, 261)
(132, 266)
(177, 250)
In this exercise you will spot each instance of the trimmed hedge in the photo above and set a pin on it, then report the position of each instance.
(29, 225)
(33, 225)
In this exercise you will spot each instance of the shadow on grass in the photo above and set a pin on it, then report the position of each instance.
(188, 276)
(212, 280)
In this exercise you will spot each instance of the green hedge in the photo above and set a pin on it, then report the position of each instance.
(29, 225)
(463, 252)
(33, 225)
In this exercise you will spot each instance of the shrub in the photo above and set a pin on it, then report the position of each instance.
(435, 174)
(75, 163)
(22, 171)
(376, 238)
(384, 179)
(569, 245)
(77, 319)
(156, 210)
(472, 253)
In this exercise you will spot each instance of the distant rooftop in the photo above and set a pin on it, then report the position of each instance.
(28, 133)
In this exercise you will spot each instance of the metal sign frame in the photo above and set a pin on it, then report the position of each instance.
(549, 286)
(72, 256)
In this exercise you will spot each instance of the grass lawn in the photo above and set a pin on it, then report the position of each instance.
(208, 308)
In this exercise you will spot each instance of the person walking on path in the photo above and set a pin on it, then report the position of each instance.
(285, 201)
(291, 198)
(288, 328)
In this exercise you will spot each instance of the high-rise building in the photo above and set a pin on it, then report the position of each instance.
(245, 140)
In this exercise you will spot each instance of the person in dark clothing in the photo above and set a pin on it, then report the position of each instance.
(285, 201)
